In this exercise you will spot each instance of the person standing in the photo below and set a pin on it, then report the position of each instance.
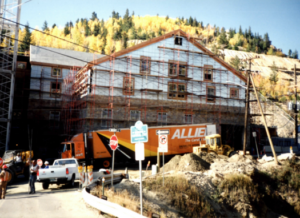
(33, 171)
(4, 178)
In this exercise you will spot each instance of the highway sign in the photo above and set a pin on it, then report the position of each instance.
(1, 161)
(40, 162)
(114, 130)
(163, 143)
(113, 142)
(139, 151)
(139, 132)
(163, 132)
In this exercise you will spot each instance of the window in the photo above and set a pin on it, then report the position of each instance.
(234, 93)
(175, 71)
(56, 72)
(135, 115)
(21, 65)
(188, 118)
(210, 94)
(145, 65)
(177, 91)
(105, 123)
(208, 73)
(107, 113)
(162, 116)
(55, 90)
(128, 86)
(178, 40)
(54, 115)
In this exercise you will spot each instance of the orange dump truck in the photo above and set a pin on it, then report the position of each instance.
(93, 147)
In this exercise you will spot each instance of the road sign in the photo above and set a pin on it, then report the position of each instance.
(139, 151)
(114, 130)
(1, 161)
(163, 143)
(163, 132)
(139, 132)
(113, 142)
(40, 162)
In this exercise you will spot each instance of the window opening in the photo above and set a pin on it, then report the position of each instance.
(145, 65)
(107, 113)
(234, 93)
(178, 40)
(135, 115)
(54, 115)
(208, 73)
(128, 86)
(177, 91)
(56, 72)
(210, 94)
(188, 118)
(162, 116)
(55, 90)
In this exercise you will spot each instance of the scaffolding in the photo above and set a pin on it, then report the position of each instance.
(173, 92)
(10, 17)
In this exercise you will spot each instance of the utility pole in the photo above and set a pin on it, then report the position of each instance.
(247, 108)
(296, 108)
(264, 121)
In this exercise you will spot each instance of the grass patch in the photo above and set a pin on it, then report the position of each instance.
(179, 193)
(236, 187)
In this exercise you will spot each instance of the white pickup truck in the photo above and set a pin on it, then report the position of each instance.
(63, 171)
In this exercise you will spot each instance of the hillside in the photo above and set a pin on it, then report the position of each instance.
(118, 32)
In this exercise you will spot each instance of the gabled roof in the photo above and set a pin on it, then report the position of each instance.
(160, 38)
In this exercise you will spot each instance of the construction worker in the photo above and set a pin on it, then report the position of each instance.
(34, 168)
(4, 178)
(46, 165)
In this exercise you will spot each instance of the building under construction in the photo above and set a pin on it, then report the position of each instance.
(168, 80)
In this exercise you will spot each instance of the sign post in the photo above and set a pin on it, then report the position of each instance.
(113, 145)
(138, 135)
(163, 146)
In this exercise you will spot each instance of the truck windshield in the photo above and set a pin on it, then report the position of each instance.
(218, 142)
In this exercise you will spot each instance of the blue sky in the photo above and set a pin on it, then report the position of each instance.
(279, 18)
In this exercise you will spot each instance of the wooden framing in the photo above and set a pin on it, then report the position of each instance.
(208, 99)
(128, 89)
(176, 94)
(234, 93)
(56, 91)
(145, 62)
(208, 72)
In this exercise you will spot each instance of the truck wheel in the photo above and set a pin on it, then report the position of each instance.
(106, 164)
(45, 185)
(13, 177)
(72, 182)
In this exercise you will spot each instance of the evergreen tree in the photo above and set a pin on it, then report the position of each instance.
(96, 30)
(167, 17)
(191, 21)
(290, 53)
(87, 30)
(274, 75)
(67, 29)
(25, 45)
(236, 63)
(124, 39)
(295, 54)
(45, 26)
(250, 33)
(126, 16)
(223, 38)
(54, 25)
(159, 32)
(94, 16)
(71, 24)
(267, 42)
(240, 30)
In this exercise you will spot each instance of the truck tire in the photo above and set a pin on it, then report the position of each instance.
(45, 185)
(13, 177)
(72, 182)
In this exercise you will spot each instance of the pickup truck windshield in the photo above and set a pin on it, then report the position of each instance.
(64, 162)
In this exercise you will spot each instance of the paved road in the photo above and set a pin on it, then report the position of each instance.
(57, 201)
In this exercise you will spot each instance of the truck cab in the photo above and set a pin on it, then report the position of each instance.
(68, 150)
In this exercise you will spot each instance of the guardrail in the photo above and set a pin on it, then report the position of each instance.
(106, 206)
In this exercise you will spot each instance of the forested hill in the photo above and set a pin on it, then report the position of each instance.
(119, 32)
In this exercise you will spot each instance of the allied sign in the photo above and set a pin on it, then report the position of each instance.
(114, 130)
(163, 143)
(163, 132)
(113, 142)
(139, 151)
(1, 161)
(139, 132)
(40, 162)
